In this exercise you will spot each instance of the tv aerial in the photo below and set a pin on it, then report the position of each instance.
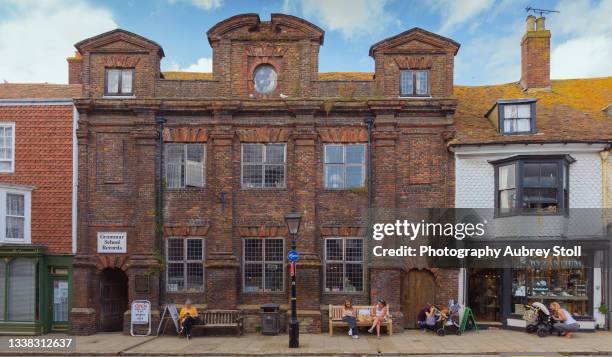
(542, 12)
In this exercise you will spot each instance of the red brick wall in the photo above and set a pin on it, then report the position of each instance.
(43, 159)
(535, 59)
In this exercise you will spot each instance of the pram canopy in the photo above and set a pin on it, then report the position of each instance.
(541, 307)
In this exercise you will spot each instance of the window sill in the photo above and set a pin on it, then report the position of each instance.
(106, 96)
(415, 97)
(263, 292)
(263, 189)
(529, 214)
(344, 292)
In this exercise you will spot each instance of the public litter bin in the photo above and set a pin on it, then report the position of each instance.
(270, 319)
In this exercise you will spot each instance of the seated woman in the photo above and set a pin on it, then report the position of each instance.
(187, 318)
(429, 318)
(379, 316)
(566, 323)
(349, 315)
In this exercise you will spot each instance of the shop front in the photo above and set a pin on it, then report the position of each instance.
(499, 294)
(34, 290)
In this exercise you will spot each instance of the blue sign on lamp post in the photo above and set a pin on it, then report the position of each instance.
(293, 255)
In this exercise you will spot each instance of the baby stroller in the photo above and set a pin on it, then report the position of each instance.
(447, 320)
(538, 319)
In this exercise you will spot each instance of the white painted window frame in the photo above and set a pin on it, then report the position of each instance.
(11, 125)
(27, 205)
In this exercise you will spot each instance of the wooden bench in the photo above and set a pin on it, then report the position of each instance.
(221, 319)
(335, 318)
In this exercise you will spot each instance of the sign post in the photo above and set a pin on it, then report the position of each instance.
(141, 315)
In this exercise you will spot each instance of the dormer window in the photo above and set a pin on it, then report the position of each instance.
(119, 82)
(414, 83)
(517, 116)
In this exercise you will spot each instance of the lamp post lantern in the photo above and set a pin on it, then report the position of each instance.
(292, 220)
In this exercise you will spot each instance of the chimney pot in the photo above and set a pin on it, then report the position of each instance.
(530, 23)
(540, 23)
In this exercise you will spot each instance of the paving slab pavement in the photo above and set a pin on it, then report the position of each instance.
(487, 342)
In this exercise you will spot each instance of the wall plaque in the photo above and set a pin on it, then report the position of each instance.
(112, 242)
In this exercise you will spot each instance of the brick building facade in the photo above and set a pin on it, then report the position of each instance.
(37, 230)
(189, 180)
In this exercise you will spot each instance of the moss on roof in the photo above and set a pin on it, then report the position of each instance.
(570, 111)
(188, 76)
(346, 76)
(323, 76)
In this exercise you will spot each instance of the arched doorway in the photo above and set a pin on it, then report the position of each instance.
(419, 288)
(113, 299)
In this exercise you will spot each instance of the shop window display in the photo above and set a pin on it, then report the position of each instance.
(548, 280)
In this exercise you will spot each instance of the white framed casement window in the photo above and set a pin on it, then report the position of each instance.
(118, 82)
(7, 147)
(15, 214)
(344, 268)
(263, 265)
(344, 166)
(185, 165)
(263, 165)
(517, 118)
(185, 264)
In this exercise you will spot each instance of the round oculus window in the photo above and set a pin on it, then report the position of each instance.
(265, 79)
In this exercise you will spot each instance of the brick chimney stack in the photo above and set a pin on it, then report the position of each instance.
(535, 55)
(75, 66)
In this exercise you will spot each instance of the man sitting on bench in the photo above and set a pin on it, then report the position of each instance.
(187, 318)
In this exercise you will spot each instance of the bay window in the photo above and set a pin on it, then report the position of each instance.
(532, 184)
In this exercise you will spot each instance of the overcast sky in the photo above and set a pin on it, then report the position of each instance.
(36, 36)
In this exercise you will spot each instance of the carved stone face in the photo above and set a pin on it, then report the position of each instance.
(265, 79)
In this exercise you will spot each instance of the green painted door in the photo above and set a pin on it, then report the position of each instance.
(59, 308)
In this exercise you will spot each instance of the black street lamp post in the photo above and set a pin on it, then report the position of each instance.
(292, 220)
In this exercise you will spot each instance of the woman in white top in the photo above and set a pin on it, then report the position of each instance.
(379, 317)
(566, 323)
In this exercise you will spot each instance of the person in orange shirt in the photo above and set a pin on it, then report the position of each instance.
(187, 318)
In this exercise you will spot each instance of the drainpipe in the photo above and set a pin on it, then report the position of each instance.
(159, 209)
(369, 121)
(606, 280)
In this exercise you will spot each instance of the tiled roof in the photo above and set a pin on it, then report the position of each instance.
(346, 76)
(39, 91)
(570, 111)
(188, 76)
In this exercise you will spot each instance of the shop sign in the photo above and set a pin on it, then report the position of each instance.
(112, 242)
(140, 312)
